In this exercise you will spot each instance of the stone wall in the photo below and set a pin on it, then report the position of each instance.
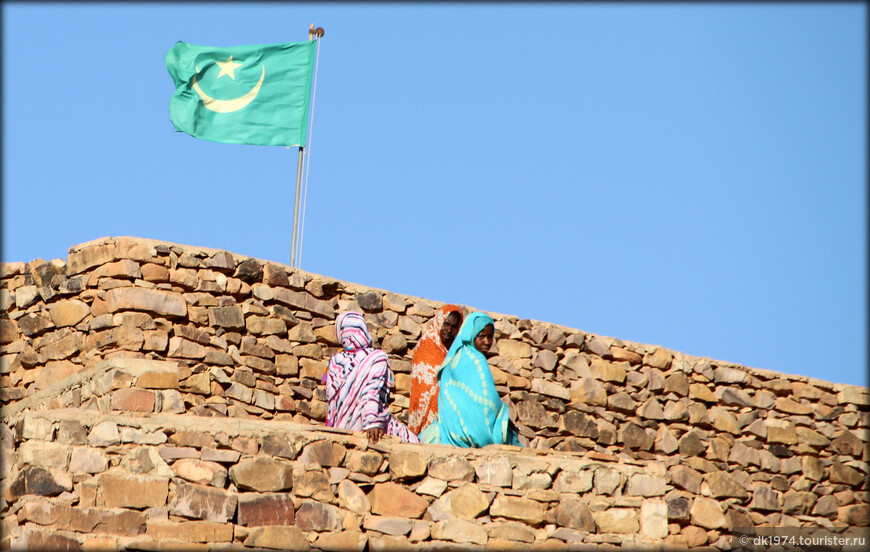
(158, 396)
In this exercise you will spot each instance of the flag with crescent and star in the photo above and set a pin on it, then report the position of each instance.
(256, 95)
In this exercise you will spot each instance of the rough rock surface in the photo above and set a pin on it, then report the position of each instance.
(159, 396)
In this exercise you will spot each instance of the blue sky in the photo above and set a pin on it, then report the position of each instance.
(686, 175)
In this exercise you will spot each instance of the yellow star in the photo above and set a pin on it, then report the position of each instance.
(228, 67)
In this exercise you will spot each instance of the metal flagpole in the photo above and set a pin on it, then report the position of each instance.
(318, 32)
(311, 33)
(296, 209)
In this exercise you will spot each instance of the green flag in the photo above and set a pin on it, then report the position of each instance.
(255, 95)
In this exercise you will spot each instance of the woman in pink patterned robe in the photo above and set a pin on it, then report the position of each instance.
(358, 381)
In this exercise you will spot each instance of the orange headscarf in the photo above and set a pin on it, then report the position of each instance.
(428, 356)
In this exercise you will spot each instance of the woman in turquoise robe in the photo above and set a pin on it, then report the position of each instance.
(470, 412)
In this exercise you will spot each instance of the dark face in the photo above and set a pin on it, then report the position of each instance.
(450, 328)
(483, 341)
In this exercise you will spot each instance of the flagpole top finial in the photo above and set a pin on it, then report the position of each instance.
(318, 32)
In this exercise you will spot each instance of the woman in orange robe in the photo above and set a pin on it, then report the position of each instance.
(434, 342)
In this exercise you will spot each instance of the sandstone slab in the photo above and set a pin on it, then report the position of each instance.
(314, 484)
(654, 519)
(511, 531)
(551, 389)
(351, 497)
(87, 460)
(324, 453)
(574, 514)
(317, 516)
(459, 531)
(69, 312)
(387, 525)
(278, 537)
(496, 472)
(394, 500)
(89, 257)
(707, 513)
(166, 303)
(512, 349)
(467, 501)
(407, 464)
(202, 502)
(723, 485)
(451, 468)
(686, 478)
(514, 507)
(255, 509)
(263, 474)
(133, 400)
(573, 482)
(39, 481)
(646, 485)
(617, 520)
(190, 531)
(45, 454)
(201, 472)
(122, 490)
(345, 541)
(579, 424)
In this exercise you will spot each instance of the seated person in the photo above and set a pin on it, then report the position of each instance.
(470, 412)
(358, 381)
(430, 352)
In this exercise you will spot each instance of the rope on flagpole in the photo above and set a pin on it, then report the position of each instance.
(319, 33)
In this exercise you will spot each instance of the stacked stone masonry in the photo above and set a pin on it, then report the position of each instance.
(158, 396)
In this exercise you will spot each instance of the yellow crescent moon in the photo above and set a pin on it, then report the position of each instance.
(228, 106)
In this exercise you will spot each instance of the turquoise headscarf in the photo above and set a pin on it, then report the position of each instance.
(470, 412)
